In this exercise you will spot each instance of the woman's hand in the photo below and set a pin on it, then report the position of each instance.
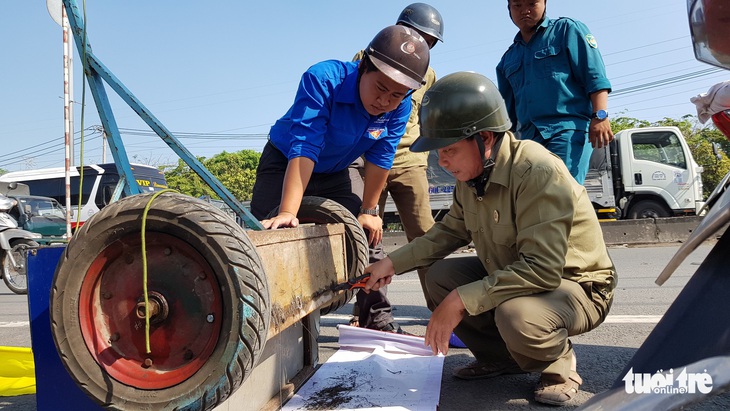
(283, 219)
(373, 225)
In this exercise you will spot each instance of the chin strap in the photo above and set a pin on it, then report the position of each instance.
(480, 182)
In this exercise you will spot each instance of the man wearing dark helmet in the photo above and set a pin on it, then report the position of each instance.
(541, 273)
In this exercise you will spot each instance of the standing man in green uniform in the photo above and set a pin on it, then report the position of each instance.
(407, 182)
(542, 272)
(554, 83)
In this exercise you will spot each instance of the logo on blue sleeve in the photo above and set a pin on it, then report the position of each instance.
(375, 133)
(591, 41)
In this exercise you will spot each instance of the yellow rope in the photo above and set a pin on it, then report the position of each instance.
(144, 269)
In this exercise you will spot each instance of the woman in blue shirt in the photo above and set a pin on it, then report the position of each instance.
(343, 110)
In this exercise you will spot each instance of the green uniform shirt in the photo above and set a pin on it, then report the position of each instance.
(534, 225)
(404, 157)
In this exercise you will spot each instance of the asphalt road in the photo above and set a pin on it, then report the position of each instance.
(601, 353)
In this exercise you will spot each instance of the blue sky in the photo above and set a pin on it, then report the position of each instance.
(219, 73)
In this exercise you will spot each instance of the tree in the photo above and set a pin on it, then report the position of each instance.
(623, 123)
(236, 171)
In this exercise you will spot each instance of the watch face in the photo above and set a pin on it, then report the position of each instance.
(601, 114)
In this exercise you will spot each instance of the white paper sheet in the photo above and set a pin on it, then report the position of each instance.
(374, 370)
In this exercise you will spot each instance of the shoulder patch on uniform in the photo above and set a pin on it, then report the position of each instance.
(375, 133)
(591, 41)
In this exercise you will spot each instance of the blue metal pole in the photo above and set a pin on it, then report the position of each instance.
(95, 72)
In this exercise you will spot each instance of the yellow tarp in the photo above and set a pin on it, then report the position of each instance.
(17, 371)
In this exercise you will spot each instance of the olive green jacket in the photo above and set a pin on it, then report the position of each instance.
(534, 225)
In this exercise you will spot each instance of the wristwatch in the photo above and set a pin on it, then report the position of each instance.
(370, 211)
(600, 115)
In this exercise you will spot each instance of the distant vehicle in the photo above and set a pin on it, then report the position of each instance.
(644, 173)
(15, 243)
(39, 215)
(440, 189)
(99, 183)
(42, 215)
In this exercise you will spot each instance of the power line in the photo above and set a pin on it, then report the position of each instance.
(48, 147)
(666, 81)
(644, 46)
(53, 146)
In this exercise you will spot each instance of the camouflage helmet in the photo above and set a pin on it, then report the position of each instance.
(458, 106)
(424, 18)
(400, 53)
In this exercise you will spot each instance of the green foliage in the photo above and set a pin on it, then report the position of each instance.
(715, 165)
(623, 123)
(237, 172)
(700, 140)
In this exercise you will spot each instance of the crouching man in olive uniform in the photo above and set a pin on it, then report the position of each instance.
(541, 272)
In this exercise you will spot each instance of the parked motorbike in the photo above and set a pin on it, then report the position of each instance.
(686, 358)
(15, 244)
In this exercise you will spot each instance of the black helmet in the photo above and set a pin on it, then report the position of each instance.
(458, 106)
(423, 18)
(401, 54)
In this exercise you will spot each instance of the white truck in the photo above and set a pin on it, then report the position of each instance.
(644, 173)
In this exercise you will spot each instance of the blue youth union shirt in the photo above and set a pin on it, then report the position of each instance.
(547, 82)
(329, 125)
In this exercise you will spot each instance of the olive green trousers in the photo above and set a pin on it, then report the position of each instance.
(532, 330)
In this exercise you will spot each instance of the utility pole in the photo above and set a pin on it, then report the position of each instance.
(58, 14)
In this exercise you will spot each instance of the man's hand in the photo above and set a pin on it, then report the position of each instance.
(600, 133)
(381, 274)
(283, 219)
(443, 320)
(374, 226)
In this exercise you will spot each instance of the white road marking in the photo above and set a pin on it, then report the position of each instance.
(632, 319)
(344, 318)
(611, 319)
(15, 324)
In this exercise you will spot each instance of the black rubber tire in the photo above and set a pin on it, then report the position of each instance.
(238, 272)
(648, 209)
(17, 280)
(318, 210)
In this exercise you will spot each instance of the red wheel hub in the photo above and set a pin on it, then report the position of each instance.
(185, 305)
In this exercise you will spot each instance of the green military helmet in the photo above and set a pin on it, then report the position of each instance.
(458, 106)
